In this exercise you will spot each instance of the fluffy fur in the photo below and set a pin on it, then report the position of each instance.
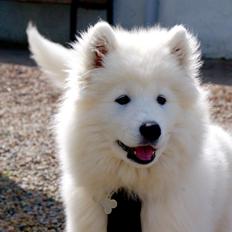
(188, 186)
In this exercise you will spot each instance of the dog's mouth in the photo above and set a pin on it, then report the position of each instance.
(141, 154)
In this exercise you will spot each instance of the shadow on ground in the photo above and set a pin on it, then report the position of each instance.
(28, 210)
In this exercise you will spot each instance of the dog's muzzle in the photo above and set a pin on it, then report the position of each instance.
(141, 154)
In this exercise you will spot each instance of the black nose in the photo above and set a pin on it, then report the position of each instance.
(150, 131)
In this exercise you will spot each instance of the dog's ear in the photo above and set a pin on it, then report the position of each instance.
(50, 56)
(184, 46)
(101, 41)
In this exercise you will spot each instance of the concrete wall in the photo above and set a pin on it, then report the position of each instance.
(210, 20)
(52, 20)
(129, 13)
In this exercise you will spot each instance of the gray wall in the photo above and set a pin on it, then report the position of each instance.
(129, 13)
(210, 20)
(52, 20)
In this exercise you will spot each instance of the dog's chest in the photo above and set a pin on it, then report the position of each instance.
(126, 216)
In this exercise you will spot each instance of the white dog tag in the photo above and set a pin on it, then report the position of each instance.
(108, 204)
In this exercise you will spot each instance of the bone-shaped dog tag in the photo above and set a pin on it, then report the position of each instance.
(108, 204)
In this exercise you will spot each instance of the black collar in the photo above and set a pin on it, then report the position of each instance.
(126, 216)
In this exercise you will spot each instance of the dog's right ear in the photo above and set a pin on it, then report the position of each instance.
(51, 57)
(185, 48)
(100, 42)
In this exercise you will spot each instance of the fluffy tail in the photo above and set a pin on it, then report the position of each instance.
(51, 57)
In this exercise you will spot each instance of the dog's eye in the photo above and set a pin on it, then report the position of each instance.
(122, 100)
(161, 100)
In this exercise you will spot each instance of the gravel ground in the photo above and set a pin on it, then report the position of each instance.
(29, 173)
(29, 197)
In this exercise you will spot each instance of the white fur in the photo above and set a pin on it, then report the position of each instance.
(54, 63)
(188, 187)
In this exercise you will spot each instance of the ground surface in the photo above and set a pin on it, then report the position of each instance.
(29, 198)
(29, 173)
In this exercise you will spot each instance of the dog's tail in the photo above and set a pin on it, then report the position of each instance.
(51, 57)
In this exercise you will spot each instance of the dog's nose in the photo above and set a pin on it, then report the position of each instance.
(150, 131)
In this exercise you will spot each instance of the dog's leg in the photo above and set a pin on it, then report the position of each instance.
(83, 214)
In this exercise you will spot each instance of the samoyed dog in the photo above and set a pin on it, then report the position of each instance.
(134, 119)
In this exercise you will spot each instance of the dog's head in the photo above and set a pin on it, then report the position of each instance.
(130, 90)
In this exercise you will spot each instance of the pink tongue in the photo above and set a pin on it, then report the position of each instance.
(144, 152)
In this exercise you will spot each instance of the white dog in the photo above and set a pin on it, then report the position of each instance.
(135, 118)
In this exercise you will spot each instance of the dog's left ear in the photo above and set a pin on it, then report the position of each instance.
(184, 46)
(101, 41)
